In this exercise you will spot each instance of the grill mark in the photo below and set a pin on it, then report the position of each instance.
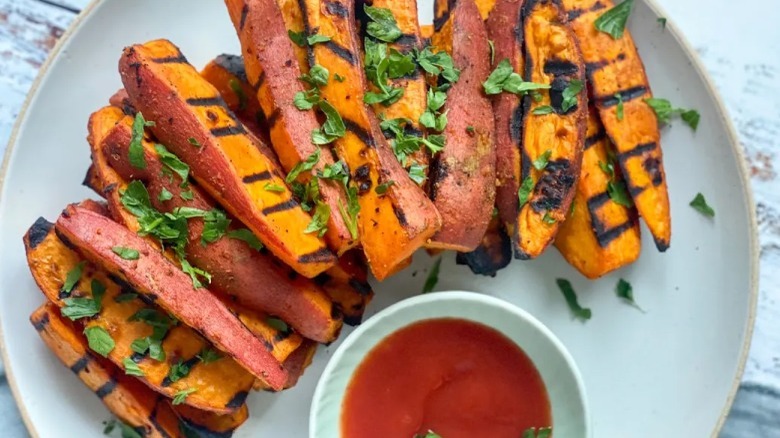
(321, 255)
(652, 166)
(359, 132)
(40, 324)
(638, 151)
(178, 58)
(437, 172)
(595, 138)
(282, 335)
(233, 64)
(106, 389)
(227, 131)
(627, 95)
(606, 236)
(155, 423)
(362, 287)
(560, 67)
(307, 30)
(574, 14)
(38, 232)
(341, 52)
(407, 41)
(80, 364)
(593, 67)
(207, 101)
(238, 400)
(192, 429)
(597, 201)
(137, 357)
(189, 363)
(273, 118)
(260, 81)
(255, 177)
(400, 215)
(362, 178)
(516, 124)
(244, 13)
(553, 185)
(336, 8)
(280, 207)
(336, 311)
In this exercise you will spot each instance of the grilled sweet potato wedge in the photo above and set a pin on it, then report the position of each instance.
(616, 74)
(149, 413)
(348, 287)
(295, 364)
(293, 22)
(463, 175)
(221, 386)
(252, 279)
(270, 64)
(600, 235)
(158, 279)
(507, 107)
(553, 142)
(227, 74)
(397, 218)
(493, 254)
(413, 102)
(228, 165)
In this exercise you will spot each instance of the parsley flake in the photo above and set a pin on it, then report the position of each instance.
(180, 396)
(700, 204)
(136, 148)
(433, 277)
(72, 278)
(247, 237)
(524, 192)
(613, 22)
(126, 253)
(99, 340)
(571, 299)
(541, 162)
(236, 87)
(382, 25)
(132, 368)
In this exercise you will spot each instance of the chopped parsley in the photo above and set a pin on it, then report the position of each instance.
(525, 190)
(306, 100)
(433, 118)
(125, 297)
(433, 277)
(700, 204)
(72, 278)
(208, 355)
(319, 221)
(165, 195)
(664, 111)
(333, 127)
(236, 87)
(181, 395)
(173, 163)
(136, 148)
(299, 38)
(275, 188)
(620, 109)
(437, 64)
(542, 432)
(126, 253)
(571, 299)
(99, 340)
(352, 210)
(542, 110)
(178, 371)
(613, 22)
(338, 77)
(317, 38)
(317, 76)
(381, 189)
(570, 94)
(382, 25)
(662, 22)
(548, 219)
(82, 307)
(429, 434)
(380, 68)
(619, 193)
(187, 195)
(625, 291)
(277, 324)
(417, 173)
(194, 142)
(132, 368)
(247, 237)
(541, 162)
(125, 430)
(504, 78)
(304, 166)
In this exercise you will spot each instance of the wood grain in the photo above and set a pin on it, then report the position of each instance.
(746, 77)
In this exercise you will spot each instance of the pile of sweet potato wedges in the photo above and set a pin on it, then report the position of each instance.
(243, 205)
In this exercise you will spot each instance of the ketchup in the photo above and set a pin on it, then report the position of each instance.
(454, 377)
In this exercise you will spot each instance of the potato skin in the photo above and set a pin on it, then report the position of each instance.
(600, 235)
(218, 383)
(252, 279)
(463, 175)
(228, 165)
(158, 279)
(615, 67)
(125, 396)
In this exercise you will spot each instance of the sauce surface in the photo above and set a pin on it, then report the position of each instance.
(451, 376)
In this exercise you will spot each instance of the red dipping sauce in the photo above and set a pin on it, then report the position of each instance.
(455, 377)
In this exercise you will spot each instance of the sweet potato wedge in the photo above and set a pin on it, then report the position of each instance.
(348, 287)
(272, 69)
(158, 279)
(493, 254)
(552, 142)
(295, 364)
(507, 107)
(252, 279)
(148, 413)
(227, 74)
(293, 22)
(228, 165)
(463, 175)
(400, 218)
(413, 102)
(615, 69)
(600, 235)
(221, 386)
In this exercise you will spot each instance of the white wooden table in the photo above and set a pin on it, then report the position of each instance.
(740, 47)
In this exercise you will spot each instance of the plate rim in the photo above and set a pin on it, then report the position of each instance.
(670, 27)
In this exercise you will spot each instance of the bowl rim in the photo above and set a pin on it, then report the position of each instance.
(327, 380)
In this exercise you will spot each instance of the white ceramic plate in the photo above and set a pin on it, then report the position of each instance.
(671, 371)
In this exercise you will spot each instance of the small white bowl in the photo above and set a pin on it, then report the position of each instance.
(556, 366)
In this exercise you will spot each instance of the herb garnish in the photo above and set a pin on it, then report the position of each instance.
(664, 111)
(548, 219)
(417, 173)
(333, 127)
(173, 163)
(504, 78)
(72, 278)
(247, 236)
(429, 434)
(99, 340)
(317, 76)
(277, 324)
(319, 221)
(182, 395)
(299, 38)
(541, 162)
(571, 299)
(83, 307)
(275, 188)
(194, 142)
(165, 195)
(433, 118)
(620, 109)
(304, 166)
(382, 25)
(626, 292)
(317, 38)
(126, 253)
(136, 149)
(381, 189)
(380, 68)
(542, 110)
(236, 87)
(662, 22)
(570, 94)
(125, 430)
(524, 192)
(132, 368)
(542, 432)
(187, 196)
(208, 355)
(700, 204)
(613, 22)
(433, 277)
(178, 371)
(616, 189)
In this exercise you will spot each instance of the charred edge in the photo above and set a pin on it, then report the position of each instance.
(40, 324)
(255, 177)
(362, 287)
(269, 346)
(485, 260)
(407, 41)
(606, 236)
(354, 319)
(336, 8)
(553, 186)
(574, 14)
(400, 215)
(557, 88)
(322, 255)
(661, 245)
(89, 178)
(188, 428)
(148, 298)
(137, 357)
(516, 125)
(441, 17)
(360, 133)
(273, 118)
(282, 206)
(260, 81)
(362, 178)
(341, 52)
(244, 13)
(178, 58)
(106, 389)
(322, 279)
(233, 64)
(626, 95)
(652, 166)
(560, 67)
(336, 311)
(593, 67)
(595, 138)
(64, 239)
(437, 172)
(597, 7)
(109, 189)
(281, 335)
(189, 363)
(38, 232)
(238, 400)
(128, 108)
(156, 423)
(597, 201)
(519, 253)
(80, 364)
(638, 151)
(227, 131)
(207, 101)
(307, 30)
